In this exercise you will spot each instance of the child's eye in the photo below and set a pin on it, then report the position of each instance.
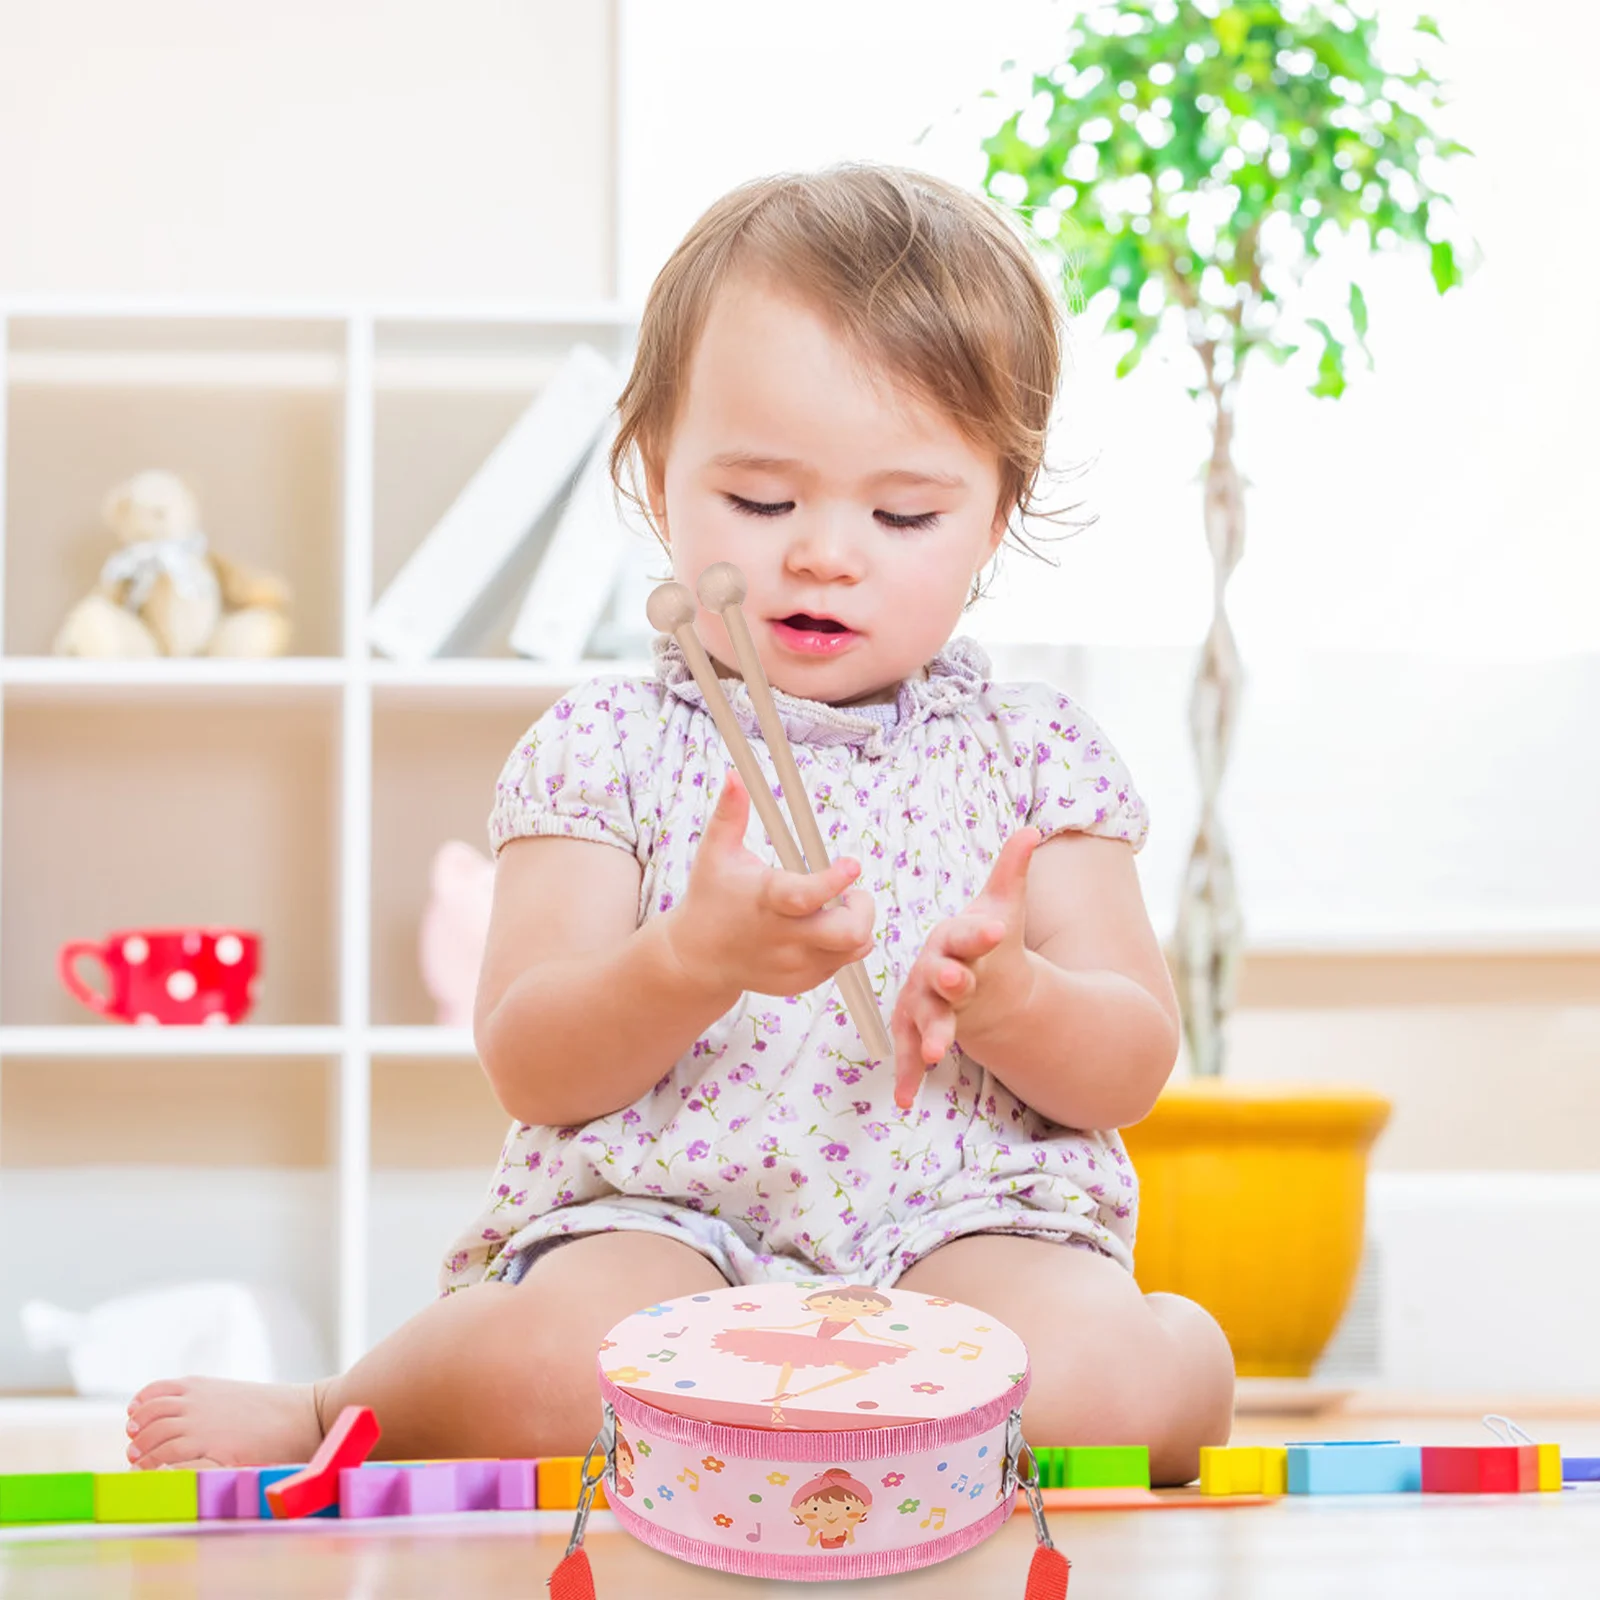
(890, 519)
(757, 508)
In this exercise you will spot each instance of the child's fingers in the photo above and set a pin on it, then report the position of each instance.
(908, 1067)
(798, 894)
(967, 938)
(725, 827)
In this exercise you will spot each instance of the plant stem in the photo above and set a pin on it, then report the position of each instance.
(1208, 929)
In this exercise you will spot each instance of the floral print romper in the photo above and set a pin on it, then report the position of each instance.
(773, 1146)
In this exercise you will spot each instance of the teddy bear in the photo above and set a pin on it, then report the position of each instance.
(164, 592)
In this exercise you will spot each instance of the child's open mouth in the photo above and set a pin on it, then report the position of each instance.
(812, 636)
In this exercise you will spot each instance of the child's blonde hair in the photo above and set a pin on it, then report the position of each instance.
(916, 275)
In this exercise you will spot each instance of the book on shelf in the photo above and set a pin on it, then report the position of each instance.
(578, 567)
(443, 583)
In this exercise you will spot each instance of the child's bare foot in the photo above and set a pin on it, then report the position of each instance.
(221, 1422)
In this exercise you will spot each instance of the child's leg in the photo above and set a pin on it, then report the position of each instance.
(1110, 1365)
(491, 1371)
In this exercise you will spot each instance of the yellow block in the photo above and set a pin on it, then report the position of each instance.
(1550, 1468)
(161, 1495)
(1244, 1469)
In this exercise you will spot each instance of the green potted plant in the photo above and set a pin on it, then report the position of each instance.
(1193, 163)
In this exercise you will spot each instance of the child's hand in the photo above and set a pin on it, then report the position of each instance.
(979, 952)
(743, 925)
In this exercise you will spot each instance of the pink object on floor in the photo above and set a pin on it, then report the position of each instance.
(247, 1494)
(316, 1487)
(519, 1485)
(218, 1490)
(455, 928)
(373, 1492)
(433, 1488)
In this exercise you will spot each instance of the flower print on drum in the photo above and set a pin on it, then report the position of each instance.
(836, 1339)
(832, 1505)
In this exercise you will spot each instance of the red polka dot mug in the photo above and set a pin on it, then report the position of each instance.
(168, 975)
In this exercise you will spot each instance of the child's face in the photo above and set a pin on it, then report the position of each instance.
(772, 382)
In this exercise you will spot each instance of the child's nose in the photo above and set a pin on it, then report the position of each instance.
(823, 544)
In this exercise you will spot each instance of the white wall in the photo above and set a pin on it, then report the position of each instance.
(379, 148)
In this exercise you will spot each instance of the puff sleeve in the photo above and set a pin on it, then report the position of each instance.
(1079, 781)
(567, 775)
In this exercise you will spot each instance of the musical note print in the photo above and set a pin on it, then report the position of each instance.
(959, 1486)
(962, 1344)
(679, 1334)
(754, 1538)
(935, 1516)
(663, 1355)
(690, 1477)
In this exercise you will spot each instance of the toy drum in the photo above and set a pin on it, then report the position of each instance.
(811, 1430)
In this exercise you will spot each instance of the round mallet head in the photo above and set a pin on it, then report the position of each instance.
(722, 585)
(670, 607)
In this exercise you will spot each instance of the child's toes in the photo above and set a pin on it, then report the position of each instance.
(154, 1446)
(162, 1387)
(141, 1416)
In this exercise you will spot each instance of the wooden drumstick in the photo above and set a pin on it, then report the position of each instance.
(722, 589)
(671, 609)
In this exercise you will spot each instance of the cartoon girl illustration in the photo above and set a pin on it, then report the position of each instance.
(624, 1472)
(839, 1312)
(831, 1505)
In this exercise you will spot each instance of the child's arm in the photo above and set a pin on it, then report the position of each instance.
(1054, 980)
(580, 1009)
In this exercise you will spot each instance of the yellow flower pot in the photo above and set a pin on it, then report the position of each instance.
(1252, 1201)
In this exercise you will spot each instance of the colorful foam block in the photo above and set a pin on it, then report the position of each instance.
(47, 1497)
(519, 1485)
(559, 1480)
(316, 1486)
(1480, 1469)
(258, 1480)
(1549, 1468)
(1574, 1469)
(218, 1494)
(1105, 1467)
(1243, 1469)
(163, 1495)
(431, 1488)
(1354, 1466)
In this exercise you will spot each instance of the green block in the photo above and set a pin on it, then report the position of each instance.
(1049, 1459)
(47, 1497)
(162, 1495)
(1118, 1466)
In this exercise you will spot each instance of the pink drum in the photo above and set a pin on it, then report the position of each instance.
(808, 1430)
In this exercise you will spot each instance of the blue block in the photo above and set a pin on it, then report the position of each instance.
(271, 1475)
(1580, 1469)
(1355, 1466)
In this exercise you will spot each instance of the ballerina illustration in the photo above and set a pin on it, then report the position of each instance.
(839, 1312)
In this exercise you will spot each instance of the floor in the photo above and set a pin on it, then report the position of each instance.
(1294, 1549)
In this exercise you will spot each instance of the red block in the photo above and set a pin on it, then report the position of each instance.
(1480, 1469)
(347, 1444)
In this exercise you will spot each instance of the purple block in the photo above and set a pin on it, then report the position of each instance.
(247, 1494)
(431, 1489)
(219, 1490)
(477, 1485)
(373, 1492)
(518, 1486)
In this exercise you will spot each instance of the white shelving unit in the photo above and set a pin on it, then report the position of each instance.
(326, 439)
